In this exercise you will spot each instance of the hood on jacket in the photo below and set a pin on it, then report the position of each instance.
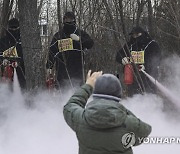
(104, 113)
(69, 22)
(13, 32)
(140, 40)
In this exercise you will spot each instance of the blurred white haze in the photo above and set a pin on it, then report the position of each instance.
(41, 129)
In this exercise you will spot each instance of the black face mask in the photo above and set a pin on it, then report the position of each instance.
(137, 39)
(69, 27)
(14, 33)
(140, 38)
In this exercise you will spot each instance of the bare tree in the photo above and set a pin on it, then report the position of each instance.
(111, 19)
(31, 44)
(6, 11)
(106, 21)
(140, 5)
(40, 6)
(59, 14)
(150, 18)
(122, 17)
(168, 25)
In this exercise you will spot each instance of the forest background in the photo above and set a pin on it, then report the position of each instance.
(108, 22)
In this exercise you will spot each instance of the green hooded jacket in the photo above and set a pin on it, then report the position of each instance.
(103, 126)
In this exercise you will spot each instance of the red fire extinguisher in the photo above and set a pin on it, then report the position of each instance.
(50, 82)
(8, 73)
(128, 74)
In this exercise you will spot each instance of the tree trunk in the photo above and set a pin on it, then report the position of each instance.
(59, 14)
(139, 11)
(40, 7)
(150, 18)
(111, 19)
(6, 11)
(122, 18)
(31, 44)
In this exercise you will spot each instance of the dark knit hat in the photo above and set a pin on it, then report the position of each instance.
(13, 23)
(108, 84)
(137, 30)
(69, 15)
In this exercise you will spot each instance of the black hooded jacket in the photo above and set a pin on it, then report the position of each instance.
(12, 39)
(68, 62)
(152, 53)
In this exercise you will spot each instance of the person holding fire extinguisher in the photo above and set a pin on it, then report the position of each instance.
(66, 52)
(141, 52)
(11, 52)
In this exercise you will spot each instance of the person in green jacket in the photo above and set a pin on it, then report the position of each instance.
(103, 125)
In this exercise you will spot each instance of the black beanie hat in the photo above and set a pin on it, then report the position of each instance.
(69, 15)
(137, 30)
(108, 84)
(13, 23)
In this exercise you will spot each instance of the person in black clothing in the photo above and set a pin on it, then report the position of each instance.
(66, 50)
(142, 52)
(10, 47)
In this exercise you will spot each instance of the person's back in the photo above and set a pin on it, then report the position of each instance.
(102, 126)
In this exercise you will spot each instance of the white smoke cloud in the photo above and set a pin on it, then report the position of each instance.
(160, 113)
(149, 108)
(172, 73)
(40, 128)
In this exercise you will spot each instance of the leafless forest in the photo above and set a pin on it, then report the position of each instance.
(107, 21)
